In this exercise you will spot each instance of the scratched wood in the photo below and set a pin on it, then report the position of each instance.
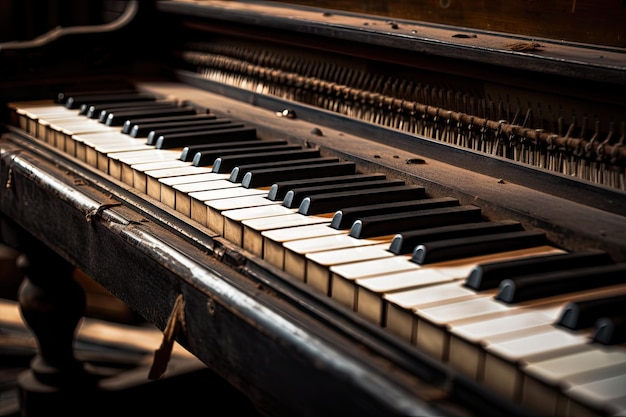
(587, 21)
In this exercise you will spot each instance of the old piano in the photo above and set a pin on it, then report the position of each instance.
(413, 208)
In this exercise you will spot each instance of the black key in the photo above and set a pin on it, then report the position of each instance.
(189, 152)
(154, 130)
(226, 163)
(220, 124)
(445, 250)
(118, 118)
(529, 287)
(153, 136)
(345, 217)
(294, 197)
(330, 202)
(208, 157)
(74, 102)
(93, 111)
(131, 123)
(62, 97)
(391, 223)
(104, 114)
(98, 111)
(180, 140)
(582, 314)
(264, 177)
(489, 275)
(239, 173)
(279, 189)
(610, 330)
(405, 242)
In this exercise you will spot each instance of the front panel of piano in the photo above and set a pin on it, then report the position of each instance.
(465, 208)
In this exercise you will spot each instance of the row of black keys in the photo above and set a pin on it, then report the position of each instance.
(432, 229)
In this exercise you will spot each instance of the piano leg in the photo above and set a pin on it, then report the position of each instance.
(52, 304)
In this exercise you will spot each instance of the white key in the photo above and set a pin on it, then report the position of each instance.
(216, 207)
(198, 200)
(369, 299)
(63, 130)
(121, 161)
(296, 250)
(178, 196)
(253, 229)
(603, 395)
(466, 351)
(343, 277)
(171, 196)
(505, 354)
(546, 381)
(318, 263)
(273, 240)
(233, 219)
(140, 174)
(153, 177)
(100, 153)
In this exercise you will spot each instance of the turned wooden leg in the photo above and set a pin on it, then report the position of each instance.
(52, 304)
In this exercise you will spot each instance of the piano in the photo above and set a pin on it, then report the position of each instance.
(412, 208)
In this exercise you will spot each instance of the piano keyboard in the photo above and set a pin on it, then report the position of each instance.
(486, 297)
